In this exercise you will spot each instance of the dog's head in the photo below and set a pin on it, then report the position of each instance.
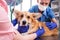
(26, 18)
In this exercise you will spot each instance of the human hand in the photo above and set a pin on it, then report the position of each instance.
(40, 32)
(51, 25)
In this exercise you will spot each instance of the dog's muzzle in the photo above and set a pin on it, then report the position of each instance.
(23, 22)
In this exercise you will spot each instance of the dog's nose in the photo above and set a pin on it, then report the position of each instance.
(24, 22)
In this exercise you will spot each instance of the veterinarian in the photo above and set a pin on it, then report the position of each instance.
(47, 14)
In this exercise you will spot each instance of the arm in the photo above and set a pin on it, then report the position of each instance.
(54, 20)
(26, 37)
(52, 15)
(53, 24)
(38, 33)
(17, 35)
(30, 36)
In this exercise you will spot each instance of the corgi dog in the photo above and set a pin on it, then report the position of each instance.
(27, 18)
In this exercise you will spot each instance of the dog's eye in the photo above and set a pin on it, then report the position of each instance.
(21, 15)
(34, 16)
(28, 17)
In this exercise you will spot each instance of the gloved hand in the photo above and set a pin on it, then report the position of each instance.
(51, 25)
(14, 22)
(40, 32)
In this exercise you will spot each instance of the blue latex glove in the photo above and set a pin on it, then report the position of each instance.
(40, 32)
(23, 29)
(51, 25)
(14, 22)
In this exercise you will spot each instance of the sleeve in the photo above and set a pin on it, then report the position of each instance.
(31, 9)
(40, 32)
(51, 14)
(14, 22)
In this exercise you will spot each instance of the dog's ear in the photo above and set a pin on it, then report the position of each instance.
(16, 13)
(36, 15)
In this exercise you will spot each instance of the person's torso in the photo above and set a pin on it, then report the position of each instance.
(44, 17)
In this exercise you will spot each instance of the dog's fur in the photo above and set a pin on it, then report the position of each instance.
(30, 19)
(48, 32)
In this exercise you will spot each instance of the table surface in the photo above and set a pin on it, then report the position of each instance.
(49, 38)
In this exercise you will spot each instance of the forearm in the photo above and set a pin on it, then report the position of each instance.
(54, 20)
(17, 36)
(38, 33)
(31, 36)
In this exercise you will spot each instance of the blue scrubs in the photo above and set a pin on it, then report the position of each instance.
(46, 15)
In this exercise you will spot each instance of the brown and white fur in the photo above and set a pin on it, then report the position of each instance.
(26, 18)
(30, 18)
